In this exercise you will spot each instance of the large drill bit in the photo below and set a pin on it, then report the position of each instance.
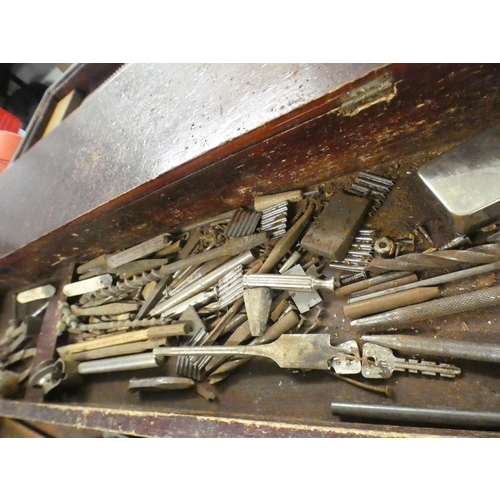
(482, 254)
(478, 299)
(446, 348)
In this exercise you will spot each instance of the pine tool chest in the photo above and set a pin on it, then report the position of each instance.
(257, 250)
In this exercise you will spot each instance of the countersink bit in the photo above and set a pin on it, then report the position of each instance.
(446, 348)
(434, 309)
(258, 306)
(482, 254)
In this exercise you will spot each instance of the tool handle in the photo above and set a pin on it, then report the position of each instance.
(292, 283)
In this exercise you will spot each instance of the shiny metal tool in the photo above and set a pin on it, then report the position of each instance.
(120, 363)
(287, 282)
(462, 181)
(413, 415)
(380, 362)
(445, 348)
(482, 254)
(300, 351)
(464, 302)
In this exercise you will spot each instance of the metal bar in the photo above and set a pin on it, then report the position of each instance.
(121, 363)
(429, 416)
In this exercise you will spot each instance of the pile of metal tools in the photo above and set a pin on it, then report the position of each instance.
(195, 305)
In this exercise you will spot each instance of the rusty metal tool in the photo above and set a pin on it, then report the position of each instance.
(482, 254)
(300, 351)
(115, 325)
(436, 280)
(380, 362)
(333, 231)
(456, 304)
(411, 278)
(413, 415)
(446, 348)
(119, 350)
(385, 390)
(267, 201)
(287, 282)
(381, 304)
(160, 383)
(107, 309)
(174, 330)
(421, 229)
(287, 241)
(153, 298)
(225, 365)
(458, 242)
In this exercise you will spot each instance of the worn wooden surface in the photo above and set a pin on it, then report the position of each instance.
(432, 107)
(166, 424)
(134, 174)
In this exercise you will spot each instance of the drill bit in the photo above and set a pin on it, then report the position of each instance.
(446, 348)
(478, 299)
(482, 254)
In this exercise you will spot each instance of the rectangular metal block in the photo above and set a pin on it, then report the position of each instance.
(465, 181)
(333, 232)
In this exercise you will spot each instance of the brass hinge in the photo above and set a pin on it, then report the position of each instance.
(382, 89)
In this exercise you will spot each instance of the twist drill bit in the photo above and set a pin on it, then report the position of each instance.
(446, 348)
(433, 309)
(482, 254)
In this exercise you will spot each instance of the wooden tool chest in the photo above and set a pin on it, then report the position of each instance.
(157, 147)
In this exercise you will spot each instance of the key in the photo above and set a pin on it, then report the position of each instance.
(380, 362)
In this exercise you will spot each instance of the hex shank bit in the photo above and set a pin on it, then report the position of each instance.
(394, 413)
(482, 254)
(434, 309)
(446, 348)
